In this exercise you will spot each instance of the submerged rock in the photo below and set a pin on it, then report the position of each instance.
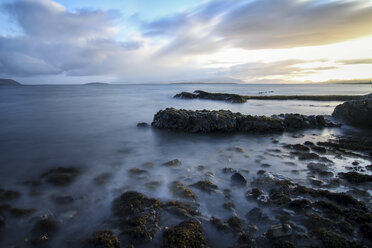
(8, 195)
(234, 98)
(186, 234)
(355, 112)
(21, 212)
(142, 124)
(104, 239)
(61, 176)
(205, 185)
(43, 231)
(205, 121)
(138, 215)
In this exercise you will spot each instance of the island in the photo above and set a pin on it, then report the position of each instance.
(8, 82)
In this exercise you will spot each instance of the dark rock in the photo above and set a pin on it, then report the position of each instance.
(366, 230)
(8, 195)
(300, 205)
(219, 224)
(228, 205)
(283, 244)
(63, 199)
(255, 215)
(332, 240)
(319, 168)
(204, 121)
(228, 170)
(205, 185)
(212, 96)
(245, 240)
(138, 173)
(138, 215)
(43, 231)
(182, 191)
(104, 239)
(261, 172)
(280, 230)
(186, 234)
(181, 209)
(355, 177)
(254, 193)
(142, 124)
(61, 176)
(235, 224)
(298, 147)
(356, 112)
(102, 178)
(174, 162)
(238, 179)
(21, 212)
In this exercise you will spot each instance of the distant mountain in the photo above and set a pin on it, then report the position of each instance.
(96, 83)
(5, 81)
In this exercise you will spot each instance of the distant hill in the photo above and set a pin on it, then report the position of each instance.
(5, 81)
(96, 83)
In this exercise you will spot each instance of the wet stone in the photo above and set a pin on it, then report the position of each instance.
(182, 191)
(255, 215)
(205, 185)
(235, 224)
(228, 205)
(21, 212)
(186, 234)
(43, 231)
(61, 176)
(238, 179)
(181, 209)
(297, 147)
(228, 170)
(355, 177)
(280, 230)
(142, 124)
(174, 162)
(102, 178)
(299, 205)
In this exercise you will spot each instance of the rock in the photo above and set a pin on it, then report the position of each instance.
(43, 231)
(102, 178)
(219, 224)
(332, 240)
(238, 179)
(283, 244)
(21, 212)
(235, 224)
(182, 191)
(319, 168)
(8, 195)
(204, 121)
(142, 124)
(212, 96)
(174, 162)
(228, 205)
(63, 199)
(280, 230)
(138, 215)
(205, 185)
(254, 193)
(61, 176)
(138, 173)
(236, 149)
(355, 177)
(153, 185)
(298, 147)
(300, 205)
(365, 229)
(186, 234)
(181, 209)
(255, 215)
(355, 112)
(104, 239)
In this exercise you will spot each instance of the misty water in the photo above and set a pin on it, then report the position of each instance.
(94, 129)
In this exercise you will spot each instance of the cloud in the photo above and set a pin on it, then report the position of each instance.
(263, 24)
(56, 41)
(355, 61)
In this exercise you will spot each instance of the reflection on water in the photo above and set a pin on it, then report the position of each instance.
(93, 128)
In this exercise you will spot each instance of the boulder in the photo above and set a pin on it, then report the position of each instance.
(238, 179)
(186, 234)
(356, 112)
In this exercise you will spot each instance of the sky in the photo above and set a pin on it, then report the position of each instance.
(162, 41)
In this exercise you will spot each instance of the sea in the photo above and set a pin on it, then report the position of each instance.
(94, 128)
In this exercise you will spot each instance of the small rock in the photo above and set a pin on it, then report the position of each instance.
(205, 185)
(174, 162)
(228, 170)
(279, 230)
(142, 124)
(7, 195)
(61, 176)
(104, 239)
(238, 179)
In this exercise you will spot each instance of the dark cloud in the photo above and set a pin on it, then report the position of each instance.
(355, 61)
(265, 24)
(56, 41)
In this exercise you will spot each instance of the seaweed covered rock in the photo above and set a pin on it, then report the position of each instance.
(138, 215)
(234, 98)
(205, 185)
(355, 177)
(182, 191)
(205, 121)
(174, 162)
(104, 239)
(186, 234)
(181, 209)
(355, 112)
(332, 240)
(61, 176)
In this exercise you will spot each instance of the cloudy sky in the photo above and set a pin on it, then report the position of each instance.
(143, 41)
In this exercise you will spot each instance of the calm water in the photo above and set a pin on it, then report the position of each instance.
(94, 129)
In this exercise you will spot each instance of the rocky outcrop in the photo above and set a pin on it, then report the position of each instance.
(205, 121)
(356, 112)
(234, 98)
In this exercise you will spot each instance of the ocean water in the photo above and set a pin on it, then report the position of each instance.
(93, 128)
